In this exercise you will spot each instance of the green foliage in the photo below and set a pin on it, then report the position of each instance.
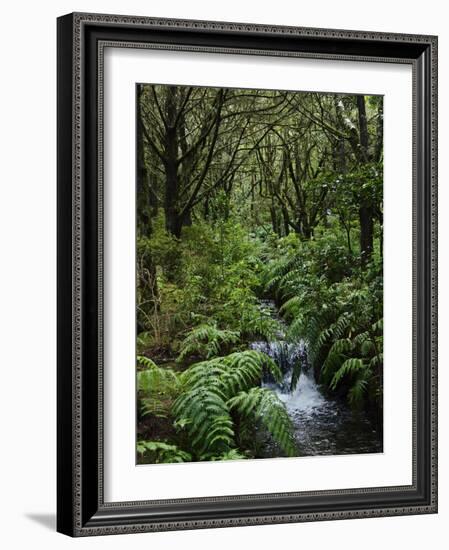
(205, 415)
(265, 405)
(206, 341)
(232, 373)
(204, 397)
(205, 281)
(232, 454)
(157, 452)
(244, 195)
(146, 362)
(210, 390)
(256, 322)
(296, 374)
(336, 307)
(357, 360)
(157, 387)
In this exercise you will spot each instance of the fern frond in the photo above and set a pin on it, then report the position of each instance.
(206, 341)
(154, 407)
(232, 373)
(357, 391)
(367, 348)
(161, 452)
(291, 308)
(377, 360)
(156, 379)
(206, 417)
(266, 406)
(360, 338)
(157, 387)
(297, 328)
(203, 407)
(205, 373)
(336, 356)
(296, 374)
(146, 362)
(378, 326)
(258, 323)
(246, 368)
(349, 367)
(232, 454)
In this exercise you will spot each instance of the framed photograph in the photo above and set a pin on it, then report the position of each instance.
(247, 284)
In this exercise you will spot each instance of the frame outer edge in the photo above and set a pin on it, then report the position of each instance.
(264, 29)
(69, 508)
(434, 271)
(65, 271)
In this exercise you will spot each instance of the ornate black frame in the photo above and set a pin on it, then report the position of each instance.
(81, 508)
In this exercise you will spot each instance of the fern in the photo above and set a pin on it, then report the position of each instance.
(156, 379)
(206, 341)
(233, 373)
(266, 406)
(376, 361)
(291, 308)
(232, 454)
(357, 391)
(160, 452)
(157, 387)
(203, 409)
(348, 368)
(246, 369)
(296, 374)
(337, 318)
(283, 275)
(146, 362)
(338, 353)
(207, 420)
(257, 322)
(378, 326)
(144, 340)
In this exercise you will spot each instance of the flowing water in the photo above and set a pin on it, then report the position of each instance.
(323, 425)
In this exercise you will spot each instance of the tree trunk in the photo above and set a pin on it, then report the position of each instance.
(275, 221)
(173, 222)
(366, 210)
(172, 218)
(143, 219)
(379, 131)
(286, 219)
(307, 231)
(366, 233)
(147, 279)
(363, 127)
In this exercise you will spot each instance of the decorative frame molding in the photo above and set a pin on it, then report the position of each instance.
(81, 41)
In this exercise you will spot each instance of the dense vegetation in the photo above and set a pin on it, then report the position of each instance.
(246, 195)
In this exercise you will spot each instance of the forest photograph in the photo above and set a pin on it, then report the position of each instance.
(259, 274)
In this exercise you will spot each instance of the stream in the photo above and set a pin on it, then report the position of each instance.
(322, 425)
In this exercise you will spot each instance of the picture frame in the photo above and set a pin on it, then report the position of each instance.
(81, 506)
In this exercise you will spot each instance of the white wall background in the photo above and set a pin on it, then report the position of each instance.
(28, 282)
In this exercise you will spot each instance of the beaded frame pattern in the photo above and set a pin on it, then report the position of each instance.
(79, 20)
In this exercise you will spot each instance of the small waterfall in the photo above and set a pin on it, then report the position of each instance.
(306, 395)
(323, 425)
(287, 356)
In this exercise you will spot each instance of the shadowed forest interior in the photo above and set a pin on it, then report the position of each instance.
(259, 273)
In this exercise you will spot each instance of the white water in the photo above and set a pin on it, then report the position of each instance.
(306, 397)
